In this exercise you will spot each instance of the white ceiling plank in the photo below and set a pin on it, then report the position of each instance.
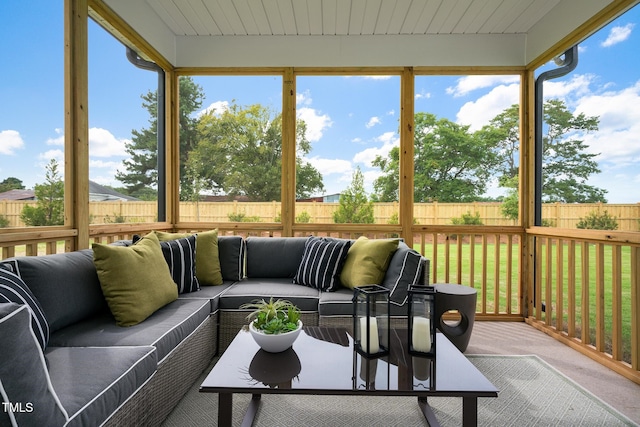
(502, 17)
(532, 14)
(247, 16)
(442, 14)
(315, 17)
(370, 18)
(301, 15)
(203, 17)
(287, 17)
(427, 16)
(413, 15)
(398, 16)
(329, 13)
(343, 17)
(234, 19)
(218, 16)
(357, 16)
(455, 16)
(274, 17)
(475, 16)
(171, 15)
(516, 10)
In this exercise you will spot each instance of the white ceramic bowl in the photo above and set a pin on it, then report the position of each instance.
(275, 343)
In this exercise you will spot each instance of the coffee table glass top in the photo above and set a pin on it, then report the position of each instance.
(322, 360)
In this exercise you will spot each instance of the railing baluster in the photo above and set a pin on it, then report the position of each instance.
(571, 289)
(586, 310)
(559, 285)
(496, 274)
(616, 302)
(600, 315)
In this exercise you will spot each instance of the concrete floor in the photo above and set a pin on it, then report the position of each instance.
(520, 338)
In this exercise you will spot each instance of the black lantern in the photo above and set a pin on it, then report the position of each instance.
(422, 324)
(371, 320)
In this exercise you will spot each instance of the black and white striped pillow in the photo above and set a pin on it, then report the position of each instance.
(13, 289)
(405, 269)
(180, 255)
(321, 263)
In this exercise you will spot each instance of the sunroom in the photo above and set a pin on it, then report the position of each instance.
(578, 285)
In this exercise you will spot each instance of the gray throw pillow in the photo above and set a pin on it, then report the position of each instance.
(405, 269)
(27, 394)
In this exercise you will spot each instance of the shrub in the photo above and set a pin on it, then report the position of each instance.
(467, 219)
(242, 217)
(4, 221)
(303, 217)
(598, 221)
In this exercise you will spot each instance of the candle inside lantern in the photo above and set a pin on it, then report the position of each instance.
(421, 334)
(373, 345)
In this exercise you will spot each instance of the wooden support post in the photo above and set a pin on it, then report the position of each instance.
(76, 121)
(407, 121)
(288, 196)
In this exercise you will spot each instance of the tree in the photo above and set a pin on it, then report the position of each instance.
(566, 166)
(239, 152)
(355, 207)
(451, 164)
(50, 200)
(11, 183)
(142, 166)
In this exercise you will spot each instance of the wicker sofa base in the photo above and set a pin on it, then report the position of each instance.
(346, 322)
(175, 375)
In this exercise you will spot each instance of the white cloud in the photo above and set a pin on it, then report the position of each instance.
(578, 85)
(316, 123)
(619, 126)
(372, 122)
(102, 143)
(388, 140)
(215, 108)
(59, 140)
(10, 141)
(423, 95)
(470, 83)
(617, 35)
(478, 113)
(58, 155)
(303, 98)
(330, 166)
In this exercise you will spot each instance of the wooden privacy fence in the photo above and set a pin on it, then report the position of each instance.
(557, 214)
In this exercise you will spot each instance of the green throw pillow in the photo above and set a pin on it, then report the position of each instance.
(135, 280)
(208, 269)
(367, 261)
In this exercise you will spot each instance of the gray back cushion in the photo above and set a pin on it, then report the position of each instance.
(273, 257)
(66, 285)
(231, 253)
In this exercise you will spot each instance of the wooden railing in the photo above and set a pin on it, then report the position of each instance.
(586, 293)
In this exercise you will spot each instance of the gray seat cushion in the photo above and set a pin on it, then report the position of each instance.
(164, 329)
(339, 303)
(92, 382)
(269, 257)
(211, 293)
(250, 289)
(66, 285)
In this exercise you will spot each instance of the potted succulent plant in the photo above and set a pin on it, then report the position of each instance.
(274, 324)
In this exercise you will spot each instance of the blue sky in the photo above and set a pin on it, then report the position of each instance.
(350, 119)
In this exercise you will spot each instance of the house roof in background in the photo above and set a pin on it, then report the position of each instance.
(100, 193)
(18, 195)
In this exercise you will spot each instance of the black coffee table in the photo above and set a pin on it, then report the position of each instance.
(323, 362)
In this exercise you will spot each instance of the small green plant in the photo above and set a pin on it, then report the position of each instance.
(4, 221)
(467, 219)
(242, 217)
(597, 221)
(117, 219)
(273, 317)
(303, 217)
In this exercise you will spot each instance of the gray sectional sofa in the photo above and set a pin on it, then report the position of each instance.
(92, 372)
